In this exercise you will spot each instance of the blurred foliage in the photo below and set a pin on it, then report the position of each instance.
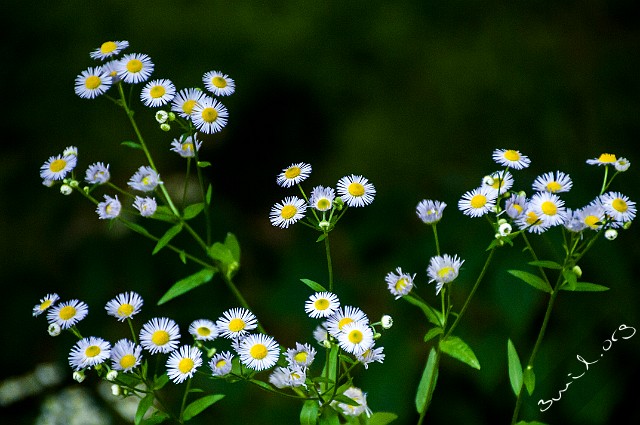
(414, 95)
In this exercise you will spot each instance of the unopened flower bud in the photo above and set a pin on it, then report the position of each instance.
(78, 376)
(386, 321)
(611, 234)
(165, 127)
(488, 180)
(577, 271)
(116, 390)
(505, 229)
(626, 225)
(172, 116)
(326, 343)
(112, 375)
(54, 329)
(162, 117)
(324, 224)
(65, 189)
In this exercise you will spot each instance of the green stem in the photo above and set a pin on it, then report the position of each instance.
(329, 266)
(435, 235)
(184, 400)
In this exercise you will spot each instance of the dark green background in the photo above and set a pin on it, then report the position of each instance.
(414, 95)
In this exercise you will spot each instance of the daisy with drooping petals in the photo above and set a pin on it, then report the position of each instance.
(185, 100)
(356, 337)
(220, 363)
(89, 352)
(320, 334)
(108, 49)
(547, 182)
(592, 216)
(618, 206)
(124, 306)
(356, 191)
(147, 206)
(322, 198)
(477, 202)
(125, 355)
(371, 355)
(515, 205)
(157, 93)
(293, 174)
(145, 179)
(183, 363)
(93, 82)
(186, 146)
(303, 355)
(97, 173)
(603, 159)
(548, 206)
(399, 283)
(443, 269)
(622, 164)
(342, 317)
(498, 182)
(532, 222)
(203, 330)
(57, 167)
(288, 377)
(109, 208)
(209, 116)
(511, 158)
(287, 212)
(45, 303)
(236, 322)
(111, 67)
(135, 68)
(160, 335)
(258, 351)
(68, 313)
(430, 212)
(218, 83)
(359, 397)
(321, 304)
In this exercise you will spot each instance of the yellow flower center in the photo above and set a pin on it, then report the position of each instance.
(401, 284)
(445, 271)
(607, 158)
(258, 351)
(45, 305)
(512, 155)
(356, 189)
(517, 207)
(146, 180)
(125, 310)
(497, 183)
(57, 165)
(288, 211)
(356, 336)
(478, 201)
(92, 82)
(185, 365)
(67, 312)
(532, 217)
(321, 304)
(236, 325)
(591, 221)
(549, 208)
(209, 114)
(160, 337)
(619, 205)
(301, 357)
(219, 82)
(203, 331)
(134, 65)
(108, 47)
(92, 351)
(324, 204)
(157, 91)
(127, 361)
(187, 106)
(187, 147)
(292, 172)
(342, 323)
(553, 187)
(221, 363)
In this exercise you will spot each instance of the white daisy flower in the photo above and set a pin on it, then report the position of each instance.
(209, 116)
(258, 351)
(287, 212)
(111, 67)
(603, 159)
(547, 182)
(293, 174)
(70, 150)
(477, 202)
(288, 377)
(592, 216)
(109, 208)
(548, 206)
(67, 314)
(89, 352)
(146, 206)
(356, 337)
(443, 269)
(46, 302)
(160, 335)
(358, 396)
(157, 93)
(622, 164)
(97, 173)
(109, 49)
(236, 322)
(515, 205)
(303, 355)
(183, 363)
(145, 179)
(135, 68)
(356, 191)
(125, 355)
(93, 82)
(186, 146)
(320, 334)
(371, 355)
(322, 198)
(532, 222)
(124, 306)
(430, 212)
(399, 283)
(498, 182)
(511, 158)
(185, 100)
(218, 83)
(203, 330)
(321, 304)
(342, 317)
(220, 363)
(618, 206)
(57, 167)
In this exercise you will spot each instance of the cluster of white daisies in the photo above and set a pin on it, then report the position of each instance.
(353, 191)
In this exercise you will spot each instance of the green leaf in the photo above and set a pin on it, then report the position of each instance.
(132, 145)
(164, 213)
(427, 383)
(221, 252)
(137, 228)
(458, 349)
(529, 378)
(433, 315)
(231, 242)
(546, 264)
(328, 416)
(204, 164)
(192, 210)
(322, 237)
(382, 418)
(187, 284)
(571, 279)
(160, 381)
(166, 238)
(143, 406)
(432, 333)
(262, 384)
(313, 285)
(346, 400)
(156, 418)
(200, 405)
(309, 412)
(585, 287)
(533, 280)
(207, 198)
(515, 368)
